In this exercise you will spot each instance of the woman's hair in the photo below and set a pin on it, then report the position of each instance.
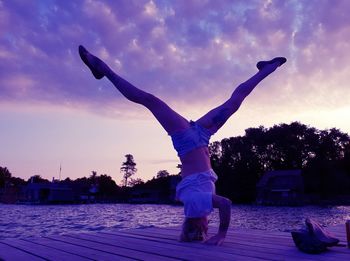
(194, 229)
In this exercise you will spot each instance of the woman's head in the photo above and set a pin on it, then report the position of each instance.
(194, 229)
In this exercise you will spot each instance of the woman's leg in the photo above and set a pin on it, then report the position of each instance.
(216, 118)
(168, 118)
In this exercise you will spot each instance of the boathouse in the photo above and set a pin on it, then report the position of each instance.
(281, 187)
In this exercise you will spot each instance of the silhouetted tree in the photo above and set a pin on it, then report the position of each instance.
(346, 160)
(326, 164)
(162, 173)
(67, 180)
(94, 187)
(93, 175)
(107, 187)
(128, 168)
(241, 161)
(133, 182)
(37, 179)
(179, 166)
(163, 186)
(215, 152)
(6, 179)
(5, 176)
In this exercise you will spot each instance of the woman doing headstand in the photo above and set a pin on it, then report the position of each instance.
(190, 140)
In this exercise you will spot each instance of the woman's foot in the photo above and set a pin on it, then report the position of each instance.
(278, 61)
(91, 61)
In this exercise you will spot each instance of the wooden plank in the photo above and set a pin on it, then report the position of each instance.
(43, 251)
(231, 236)
(81, 250)
(108, 247)
(163, 244)
(8, 252)
(247, 251)
(146, 246)
(279, 246)
(250, 251)
(339, 231)
(179, 251)
(256, 234)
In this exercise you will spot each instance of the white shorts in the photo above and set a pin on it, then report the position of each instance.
(196, 192)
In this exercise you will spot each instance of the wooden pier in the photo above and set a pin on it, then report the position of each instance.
(163, 244)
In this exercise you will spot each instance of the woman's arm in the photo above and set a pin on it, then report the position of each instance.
(224, 206)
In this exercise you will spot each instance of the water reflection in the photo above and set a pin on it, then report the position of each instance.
(27, 221)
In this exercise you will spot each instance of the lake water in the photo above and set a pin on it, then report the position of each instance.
(27, 221)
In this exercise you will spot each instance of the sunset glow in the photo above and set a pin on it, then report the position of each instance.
(192, 54)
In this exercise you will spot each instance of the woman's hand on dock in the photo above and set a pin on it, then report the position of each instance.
(216, 240)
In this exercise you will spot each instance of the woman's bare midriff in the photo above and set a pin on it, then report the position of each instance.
(195, 161)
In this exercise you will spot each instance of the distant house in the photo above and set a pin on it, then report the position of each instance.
(9, 194)
(142, 195)
(38, 193)
(282, 187)
(161, 190)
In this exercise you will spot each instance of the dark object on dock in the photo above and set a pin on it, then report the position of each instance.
(313, 239)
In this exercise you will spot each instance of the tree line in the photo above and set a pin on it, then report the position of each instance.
(102, 187)
(322, 155)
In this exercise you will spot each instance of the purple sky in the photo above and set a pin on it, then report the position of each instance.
(190, 53)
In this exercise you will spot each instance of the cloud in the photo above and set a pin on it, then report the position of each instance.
(186, 52)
